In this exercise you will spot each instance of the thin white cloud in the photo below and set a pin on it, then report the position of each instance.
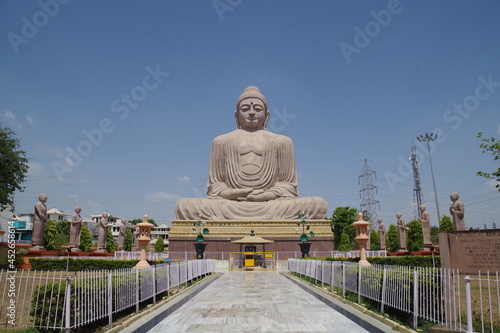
(29, 119)
(161, 196)
(36, 169)
(9, 115)
(184, 179)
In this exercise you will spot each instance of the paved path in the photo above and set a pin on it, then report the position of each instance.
(255, 301)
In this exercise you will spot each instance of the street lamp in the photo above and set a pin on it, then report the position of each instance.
(428, 138)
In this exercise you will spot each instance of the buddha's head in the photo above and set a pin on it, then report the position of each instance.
(251, 110)
(454, 196)
(42, 197)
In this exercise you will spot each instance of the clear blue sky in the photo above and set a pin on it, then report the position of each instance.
(346, 80)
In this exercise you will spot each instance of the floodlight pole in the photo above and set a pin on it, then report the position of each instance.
(428, 138)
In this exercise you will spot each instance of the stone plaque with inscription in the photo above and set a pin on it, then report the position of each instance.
(470, 251)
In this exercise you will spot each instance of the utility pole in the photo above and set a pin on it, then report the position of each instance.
(417, 189)
(428, 138)
(368, 203)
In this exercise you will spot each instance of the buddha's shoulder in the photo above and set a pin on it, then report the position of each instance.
(235, 136)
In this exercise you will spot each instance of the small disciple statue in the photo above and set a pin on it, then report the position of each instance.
(381, 234)
(121, 235)
(74, 231)
(457, 211)
(103, 232)
(252, 173)
(39, 222)
(401, 231)
(425, 220)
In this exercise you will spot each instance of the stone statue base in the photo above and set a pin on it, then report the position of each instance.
(283, 233)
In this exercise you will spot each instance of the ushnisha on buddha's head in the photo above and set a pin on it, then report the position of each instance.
(251, 110)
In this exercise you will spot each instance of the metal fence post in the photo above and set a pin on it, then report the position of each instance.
(137, 287)
(343, 278)
(68, 305)
(154, 284)
(468, 305)
(415, 300)
(359, 284)
(110, 300)
(382, 302)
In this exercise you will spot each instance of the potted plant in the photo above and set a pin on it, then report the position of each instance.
(304, 246)
(19, 260)
(200, 231)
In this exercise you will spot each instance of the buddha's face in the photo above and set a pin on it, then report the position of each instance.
(251, 114)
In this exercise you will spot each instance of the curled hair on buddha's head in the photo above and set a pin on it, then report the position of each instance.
(252, 92)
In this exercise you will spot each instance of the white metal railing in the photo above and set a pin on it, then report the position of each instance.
(280, 255)
(66, 300)
(443, 296)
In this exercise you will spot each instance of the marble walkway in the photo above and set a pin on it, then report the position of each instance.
(256, 301)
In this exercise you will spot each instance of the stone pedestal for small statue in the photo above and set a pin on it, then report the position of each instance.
(305, 248)
(200, 250)
(362, 238)
(144, 239)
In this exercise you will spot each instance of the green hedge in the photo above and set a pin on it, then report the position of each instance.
(72, 265)
(411, 261)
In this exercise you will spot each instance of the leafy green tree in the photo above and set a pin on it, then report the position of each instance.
(85, 239)
(63, 227)
(391, 239)
(111, 246)
(374, 240)
(445, 224)
(415, 239)
(341, 218)
(435, 234)
(62, 234)
(129, 240)
(49, 235)
(159, 246)
(492, 146)
(345, 243)
(135, 221)
(14, 166)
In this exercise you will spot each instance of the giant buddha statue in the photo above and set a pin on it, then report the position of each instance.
(252, 173)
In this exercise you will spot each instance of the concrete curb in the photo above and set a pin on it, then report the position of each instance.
(387, 321)
(160, 306)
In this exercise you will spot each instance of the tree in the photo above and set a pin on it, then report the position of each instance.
(445, 224)
(85, 239)
(341, 218)
(392, 240)
(14, 166)
(435, 234)
(159, 245)
(129, 240)
(135, 221)
(345, 243)
(415, 239)
(492, 146)
(111, 246)
(374, 240)
(49, 235)
(62, 234)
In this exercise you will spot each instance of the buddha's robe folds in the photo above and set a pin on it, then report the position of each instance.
(262, 161)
